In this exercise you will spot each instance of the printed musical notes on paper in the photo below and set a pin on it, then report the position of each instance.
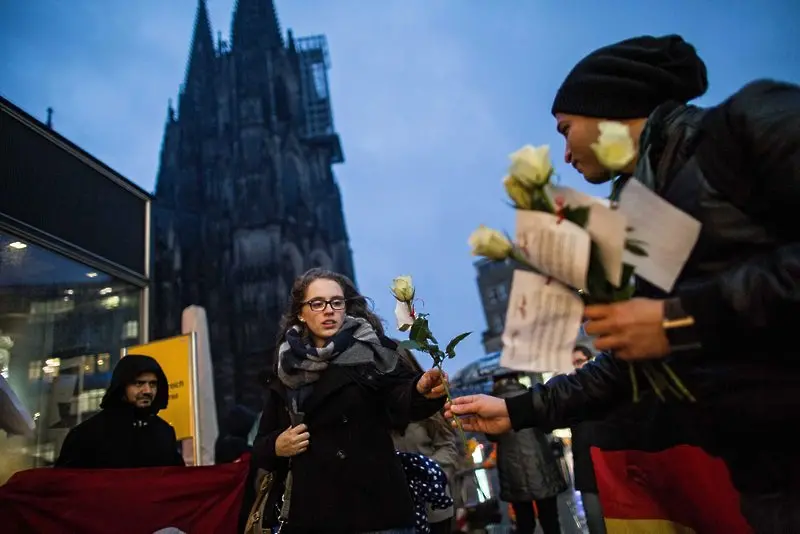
(542, 324)
(606, 227)
(557, 248)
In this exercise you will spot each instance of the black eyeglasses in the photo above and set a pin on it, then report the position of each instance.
(318, 305)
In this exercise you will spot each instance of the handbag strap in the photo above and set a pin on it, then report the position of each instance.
(253, 525)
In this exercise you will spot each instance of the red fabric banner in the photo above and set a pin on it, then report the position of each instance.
(195, 500)
(680, 489)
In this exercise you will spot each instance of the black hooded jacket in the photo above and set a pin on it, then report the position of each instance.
(122, 435)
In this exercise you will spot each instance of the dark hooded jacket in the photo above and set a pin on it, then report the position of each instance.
(231, 445)
(122, 435)
(735, 168)
(526, 465)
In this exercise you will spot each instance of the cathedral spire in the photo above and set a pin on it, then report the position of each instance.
(255, 25)
(201, 55)
(170, 112)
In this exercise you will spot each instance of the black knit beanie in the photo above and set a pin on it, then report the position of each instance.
(629, 79)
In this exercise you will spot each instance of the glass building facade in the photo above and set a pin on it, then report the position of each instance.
(74, 253)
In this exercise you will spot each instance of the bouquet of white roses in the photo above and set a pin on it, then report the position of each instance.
(529, 187)
(420, 337)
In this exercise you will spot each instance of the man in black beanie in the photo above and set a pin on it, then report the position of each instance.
(727, 327)
(623, 82)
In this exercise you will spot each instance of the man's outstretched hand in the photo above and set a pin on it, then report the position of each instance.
(480, 413)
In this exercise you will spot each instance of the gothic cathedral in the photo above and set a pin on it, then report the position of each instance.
(246, 198)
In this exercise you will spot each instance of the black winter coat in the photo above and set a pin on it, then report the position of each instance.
(526, 465)
(736, 168)
(350, 479)
(121, 435)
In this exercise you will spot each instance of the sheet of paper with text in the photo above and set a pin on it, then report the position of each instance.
(556, 248)
(606, 226)
(542, 324)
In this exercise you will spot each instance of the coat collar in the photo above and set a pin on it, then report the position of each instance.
(332, 380)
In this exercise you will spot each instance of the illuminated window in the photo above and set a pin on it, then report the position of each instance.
(89, 364)
(130, 330)
(103, 363)
(111, 302)
(51, 367)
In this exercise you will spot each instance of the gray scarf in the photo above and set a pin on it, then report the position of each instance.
(356, 343)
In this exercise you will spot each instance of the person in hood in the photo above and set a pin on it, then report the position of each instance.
(127, 432)
(231, 445)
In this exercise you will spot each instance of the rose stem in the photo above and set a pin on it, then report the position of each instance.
(649, 377)
(678, 382)
(450, 400)
(634, 382)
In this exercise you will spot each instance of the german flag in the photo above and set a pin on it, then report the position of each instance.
(654, 478)
(680, 490)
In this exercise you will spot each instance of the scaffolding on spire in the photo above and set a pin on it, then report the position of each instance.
(318, 126)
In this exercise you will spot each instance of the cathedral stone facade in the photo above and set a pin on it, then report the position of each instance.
(246, 198)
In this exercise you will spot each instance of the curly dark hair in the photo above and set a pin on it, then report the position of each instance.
(357, 304)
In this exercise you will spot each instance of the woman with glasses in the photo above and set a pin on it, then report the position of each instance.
(337, 391)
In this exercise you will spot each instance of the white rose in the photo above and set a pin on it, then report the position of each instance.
(614, 147)
(532, 165)
(403, 288)
(403, 315)
(490, 244)
(518, 193)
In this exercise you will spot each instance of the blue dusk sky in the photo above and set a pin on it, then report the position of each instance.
(430, 97)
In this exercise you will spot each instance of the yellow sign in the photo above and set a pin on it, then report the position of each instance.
(174, 355)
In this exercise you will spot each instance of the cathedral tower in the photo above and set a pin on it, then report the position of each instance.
(246, 198)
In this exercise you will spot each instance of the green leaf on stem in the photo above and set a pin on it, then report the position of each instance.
(578, 215)
(451, 347)
(419, 330)
(404, 328)
(540, 201)
(627, 273)
(623, 293)
(597, 287)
